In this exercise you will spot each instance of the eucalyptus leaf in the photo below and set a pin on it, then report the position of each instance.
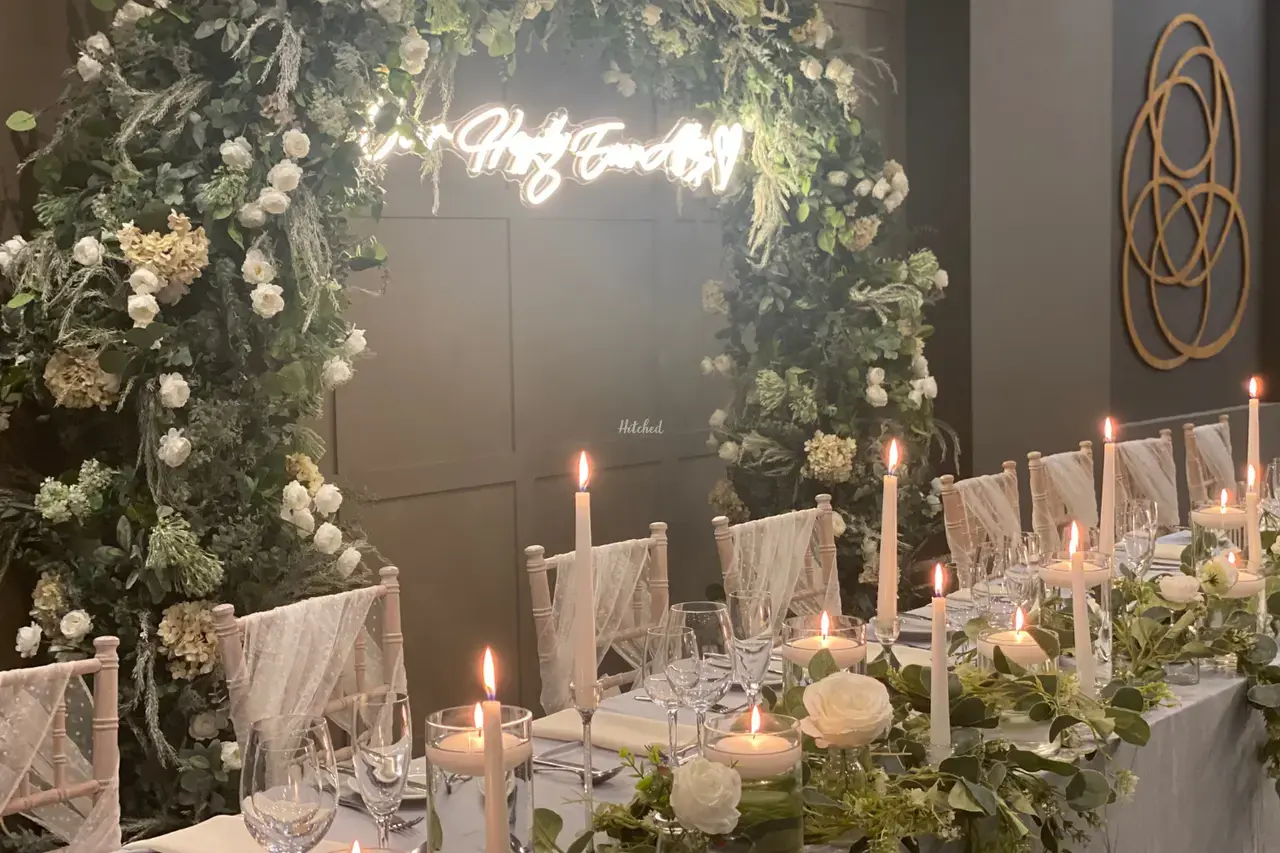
(20, 121)
(961, 798)
(1130, 698)
(546, 829)
(822, 664)
(1265, 695)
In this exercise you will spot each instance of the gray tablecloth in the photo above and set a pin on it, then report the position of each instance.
(1201, 787)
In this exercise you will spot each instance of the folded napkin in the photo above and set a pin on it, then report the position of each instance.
(1169, 551)
(610, 730)
(221, 834)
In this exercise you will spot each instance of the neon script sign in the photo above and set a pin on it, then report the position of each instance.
(492, 140)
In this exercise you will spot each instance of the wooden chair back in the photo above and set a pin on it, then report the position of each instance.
(964, 529)
(1127, 489)
(816, 575)
(1202, 485)
(104, 666)
(230, 631)
(656, 584)
(1049, 514)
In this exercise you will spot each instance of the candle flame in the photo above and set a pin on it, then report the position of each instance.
(1253, 476)
(478, 717)
(490, 677)
(893, 455)
(1019, 620)
(825, 624)
(937, 579)
(1231, 557)
(355, 847)
(584, 471)
(1253, 387)
(1074, 544)
(755, 718)
(1106, 429)
(1224, 500)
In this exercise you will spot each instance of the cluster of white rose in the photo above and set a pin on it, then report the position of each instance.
(282, 179)
(96, 49)
(875, 393)
(721, 364)
(73, 627)
(298, 506)
(259, 270)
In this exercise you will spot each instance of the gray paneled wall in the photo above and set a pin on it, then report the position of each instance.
(506, 338)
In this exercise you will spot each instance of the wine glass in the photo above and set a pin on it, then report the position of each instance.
(751, 619)
(381, 745)
(289, 783)
(1023, 573)
(703, 672)
(660, 648)
(1139, 533)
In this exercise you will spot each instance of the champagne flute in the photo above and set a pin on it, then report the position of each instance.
(1139, 533)
(701, 676)
(381, 743)
(751, 619)
(660, 648)
(289, 783)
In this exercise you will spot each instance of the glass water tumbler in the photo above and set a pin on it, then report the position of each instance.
(456, 777)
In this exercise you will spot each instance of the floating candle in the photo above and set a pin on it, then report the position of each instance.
(1016, 645)
(1222, 516)
(846, 650)
(757, 754)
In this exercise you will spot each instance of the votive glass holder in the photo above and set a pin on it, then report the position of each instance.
(1020, 648)
(1219, 525)
(456, 776)
(803, 637)
(766, 751)
(1057, 610)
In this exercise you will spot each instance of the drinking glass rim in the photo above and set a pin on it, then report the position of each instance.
(435, 719)
(307, 722)
(399, 696)
(699, 606)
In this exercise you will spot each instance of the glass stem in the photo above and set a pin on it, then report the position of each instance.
(700, 720)
(383, 822)
(673, 741)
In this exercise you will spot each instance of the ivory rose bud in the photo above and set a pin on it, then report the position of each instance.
(174, 448)
(75, 625)
(328, 499)
(1179, 588)
(296, 144)
(273, 201)
(846, 710)
(705, 796)
(285, 175)
(295, 496)
(143, 309)
(236, 153)
(174, 390)
(144, 280)
(87, 251)
(268, 300)
(328, 539)
(252, 215)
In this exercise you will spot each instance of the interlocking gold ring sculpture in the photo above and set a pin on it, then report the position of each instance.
(1201, 194)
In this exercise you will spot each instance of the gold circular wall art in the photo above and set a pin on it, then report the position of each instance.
(1197, 193)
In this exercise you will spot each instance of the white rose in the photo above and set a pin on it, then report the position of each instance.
(838, 179)
(347, 562)
(236, 153)
(880, 190)
(295, 496)
(230, 756)
(98, 42)
(811, 68)
(174, 390)
(89, 68)
(355, 343)
(863, 189)
(328, 499)
(723, 364)
(920, 366)
(413, 54)
(893, 201)
(875, 376)
(257, 269)
(174, 448)
(1179, 588)
(203, 726)
(877, 396)
(252, 215)
(328, 539)
(285, 175)
(717, 418)
(75, 625)
(846, 710)
(143, 309)
(929, 386)
(836, 69)
(730, 451)
(87, 252)
(838, 525)
(129, 14)
(144, 280)
(28, 641)
(296, 144)
(337, 371)
(899, 183)
(302, 519)
(705, 796)
(273, 201)
(267, 299)
(652, 15)
(941, 279)
(915, 396)
(708, 366)
(10, 250)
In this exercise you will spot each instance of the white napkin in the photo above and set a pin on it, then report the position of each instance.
(221, 834)
(907, 655)
(1170, 551)
(610, 730)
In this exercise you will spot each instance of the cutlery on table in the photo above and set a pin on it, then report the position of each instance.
(397, 824)
(598, 777)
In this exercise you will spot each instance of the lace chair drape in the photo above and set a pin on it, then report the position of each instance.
(1062, 491)
(49, 723)
(980, 509)
(1145, 469)
(1210, 468)
(791, 556)
(292, 660)
(630, 597)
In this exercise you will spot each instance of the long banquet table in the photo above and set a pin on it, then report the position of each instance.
(1201, 786)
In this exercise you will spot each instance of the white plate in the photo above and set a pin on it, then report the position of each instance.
(415, 791)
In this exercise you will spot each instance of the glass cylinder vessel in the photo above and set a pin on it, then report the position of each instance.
(455, 776)
(1218, 525)
(804, 636)
(1184, 673)
(1057, 608)
(1021, 648)
(766, 751)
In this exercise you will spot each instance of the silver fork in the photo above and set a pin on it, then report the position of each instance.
(396, 824)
